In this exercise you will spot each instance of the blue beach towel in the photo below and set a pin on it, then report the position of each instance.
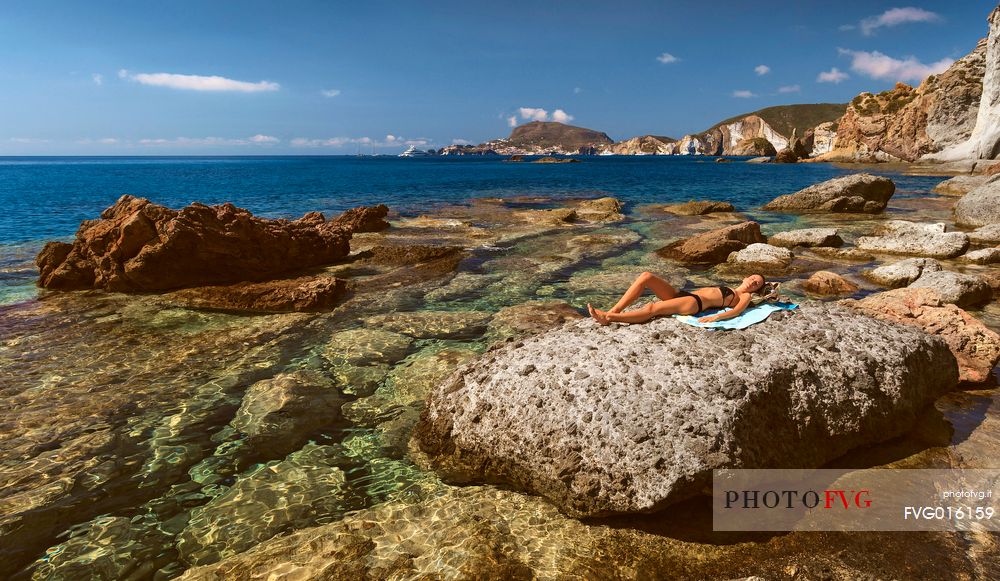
(751, 316)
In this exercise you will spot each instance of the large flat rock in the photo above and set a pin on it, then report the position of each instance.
(627, 419)
(857, 193)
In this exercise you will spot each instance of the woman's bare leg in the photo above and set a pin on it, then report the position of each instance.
(675, 306)
(646, 280)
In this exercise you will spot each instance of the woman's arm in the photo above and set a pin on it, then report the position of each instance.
(733, 312)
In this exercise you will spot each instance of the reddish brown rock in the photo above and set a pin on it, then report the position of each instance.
(403, 255)
(828, 284)
(976, 347)
(714, 246)
(307, 293)
(904, 123)
(140, 246)
(364, 219)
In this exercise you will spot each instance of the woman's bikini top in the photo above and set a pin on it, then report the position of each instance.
(726, 293)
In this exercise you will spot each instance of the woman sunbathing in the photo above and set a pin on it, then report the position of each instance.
(675, 302)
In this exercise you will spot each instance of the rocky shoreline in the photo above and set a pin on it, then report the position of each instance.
(444, 350)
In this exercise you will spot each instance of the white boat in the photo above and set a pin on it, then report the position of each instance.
(414, 152)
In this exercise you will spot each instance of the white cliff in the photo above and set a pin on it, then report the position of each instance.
(984, 143)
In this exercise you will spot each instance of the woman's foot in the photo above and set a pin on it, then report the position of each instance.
(598, 315)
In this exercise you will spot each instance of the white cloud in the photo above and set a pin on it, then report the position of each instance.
(833, 75)
(329, 142)
(577, 90)
(789, 89)
(209, 141)
(102, 141)
(539, 114)
(895, 17)
(461, 142)
(761, 70)
(561, 116)
(880, 66)
(743, 94)
(846, 27)
(667, 58)
(97, 78)
(331, 92)
(198, 82)
(28, 140)
(389, 141)
(534, 113)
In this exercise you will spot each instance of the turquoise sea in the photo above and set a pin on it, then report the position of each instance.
(46, 198)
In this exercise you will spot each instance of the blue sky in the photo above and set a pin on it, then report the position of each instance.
(258, 78)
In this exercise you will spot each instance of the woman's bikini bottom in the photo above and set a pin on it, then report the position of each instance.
(696, 297)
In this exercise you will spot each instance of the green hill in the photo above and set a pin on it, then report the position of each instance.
(784, 118)
(552, 134)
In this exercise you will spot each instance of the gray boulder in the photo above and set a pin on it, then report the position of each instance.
(989, 234)
(982, 256)
(916, 239)
(806, 237)
(763, 257)
(857, 193)
(633, 418)
(981, 206)
(964, 290)
(959, 185)
(902, 273)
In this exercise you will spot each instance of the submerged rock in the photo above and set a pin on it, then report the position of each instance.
(634, 418)
(828, 284)
(976, 348)
(140, 246)
(806, 237)
(280, 414)
(433, 324)
(365, 346)
(697, 208)
(307, 293)
(965, 290)
(482, 532)
(271, 499)
(857, 193)
(903, 272)
(714, 246)
(532, 317)
(553, 217)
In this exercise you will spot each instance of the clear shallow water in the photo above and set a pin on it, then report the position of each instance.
(45, 198)
(120, 456)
